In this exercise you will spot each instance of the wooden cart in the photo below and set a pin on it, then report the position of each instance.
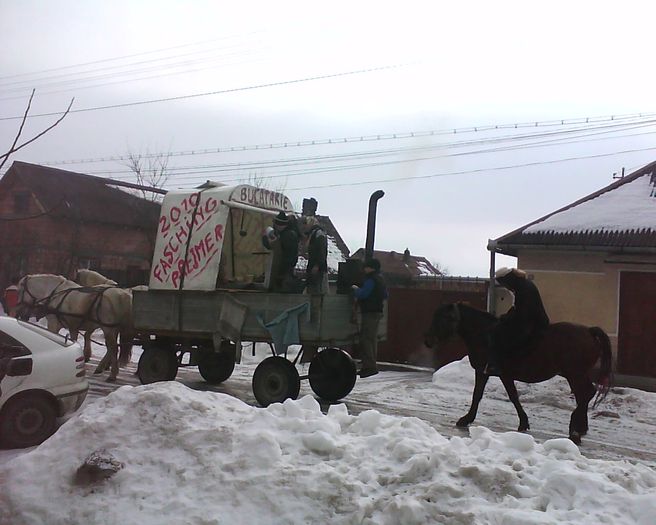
(212, 326)
(208, 250)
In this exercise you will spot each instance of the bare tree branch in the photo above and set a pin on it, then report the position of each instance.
(149, 170)
(14, 148)
(20, 129)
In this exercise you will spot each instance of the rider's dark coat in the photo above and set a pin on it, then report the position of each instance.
(525, 320)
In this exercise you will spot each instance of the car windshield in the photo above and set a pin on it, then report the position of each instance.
(60, 339)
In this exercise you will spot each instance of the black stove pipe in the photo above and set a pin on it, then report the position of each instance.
(371, 223)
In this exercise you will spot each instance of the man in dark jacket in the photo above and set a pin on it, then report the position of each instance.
(317, 250)
(284, 241)
(522, 325)
(371, 297)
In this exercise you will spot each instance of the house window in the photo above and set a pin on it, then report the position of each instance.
(21, 202)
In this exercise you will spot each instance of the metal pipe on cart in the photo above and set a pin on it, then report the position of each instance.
(491, 289)
(371, 223)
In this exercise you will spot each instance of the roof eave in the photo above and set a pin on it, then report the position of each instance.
(513, 249)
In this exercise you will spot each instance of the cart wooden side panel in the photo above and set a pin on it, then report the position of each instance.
(196, 314)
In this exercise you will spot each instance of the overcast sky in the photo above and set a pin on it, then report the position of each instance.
(402, 68)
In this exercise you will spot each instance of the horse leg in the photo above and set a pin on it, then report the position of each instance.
(583, 391)
(509, 384)
(54, 325)
(87, 346)
(125, 348)
(479, 387)
(104, 363)
(111, 340)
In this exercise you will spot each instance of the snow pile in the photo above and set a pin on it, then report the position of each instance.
(207, 458)
(631, 206)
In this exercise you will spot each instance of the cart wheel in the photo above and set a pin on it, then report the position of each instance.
(157, 364)
(332, 374)
(216, 367)
(275, 379)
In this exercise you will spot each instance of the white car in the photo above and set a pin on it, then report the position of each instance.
(42, 377)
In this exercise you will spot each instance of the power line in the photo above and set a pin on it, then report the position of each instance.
(219, 92)
(123, 57)
(299, 161)
(365, 138)
(191, 176)
(137, 79)
(469, 172)
(215, 60)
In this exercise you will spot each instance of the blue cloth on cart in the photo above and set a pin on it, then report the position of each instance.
(284, 328)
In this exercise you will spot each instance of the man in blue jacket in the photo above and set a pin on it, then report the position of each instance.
(371, 297)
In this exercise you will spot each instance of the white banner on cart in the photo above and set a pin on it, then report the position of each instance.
(189, 241)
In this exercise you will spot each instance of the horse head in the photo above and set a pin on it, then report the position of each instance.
(34, 291)
(443, 326)
(444, 336)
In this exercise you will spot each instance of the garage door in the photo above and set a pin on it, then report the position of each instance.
(637, 329)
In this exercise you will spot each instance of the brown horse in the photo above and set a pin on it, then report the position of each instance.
(565, 349)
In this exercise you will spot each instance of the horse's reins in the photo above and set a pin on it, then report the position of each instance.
(47, 303)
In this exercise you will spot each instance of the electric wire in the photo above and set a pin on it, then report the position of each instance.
(363, 138)
(219, 92)
(297, 161)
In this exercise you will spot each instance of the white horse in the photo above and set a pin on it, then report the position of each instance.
(91, 278)
(78, 308)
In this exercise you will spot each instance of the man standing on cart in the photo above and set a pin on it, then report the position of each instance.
(283, 240)
(317, 251)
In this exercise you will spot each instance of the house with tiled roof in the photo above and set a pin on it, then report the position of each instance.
(337, 249)
(56, 221)
(594, 262)
(402, 268)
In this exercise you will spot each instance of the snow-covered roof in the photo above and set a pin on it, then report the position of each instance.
(402, 266)
(335, 256)
(622, 214)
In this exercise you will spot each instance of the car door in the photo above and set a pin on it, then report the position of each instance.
(15, 365)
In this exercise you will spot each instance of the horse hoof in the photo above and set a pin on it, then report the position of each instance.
(97, 371)
(524, 429)
(110, 380)
(575, 437)
(463, 422)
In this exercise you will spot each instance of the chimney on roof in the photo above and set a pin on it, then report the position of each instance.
(406, 255)
(310, 206)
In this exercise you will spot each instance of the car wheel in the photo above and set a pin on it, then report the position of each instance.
(27, 421)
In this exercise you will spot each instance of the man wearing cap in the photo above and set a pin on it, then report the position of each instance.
(317, 251)
(284, 234)
(371, 297)
(522, 324)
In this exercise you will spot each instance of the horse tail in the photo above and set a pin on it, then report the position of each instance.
(605, 378)
(125, 352)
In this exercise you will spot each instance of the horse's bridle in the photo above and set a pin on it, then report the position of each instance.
(36, 302)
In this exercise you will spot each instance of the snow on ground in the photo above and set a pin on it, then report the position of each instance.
(207, 458)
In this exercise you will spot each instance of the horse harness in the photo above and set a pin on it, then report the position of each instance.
(46, 305)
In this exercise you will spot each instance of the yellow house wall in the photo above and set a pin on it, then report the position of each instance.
(582, 287)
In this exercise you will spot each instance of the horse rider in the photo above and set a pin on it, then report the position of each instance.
(283, 238)
(521, 325)
(317, 249)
